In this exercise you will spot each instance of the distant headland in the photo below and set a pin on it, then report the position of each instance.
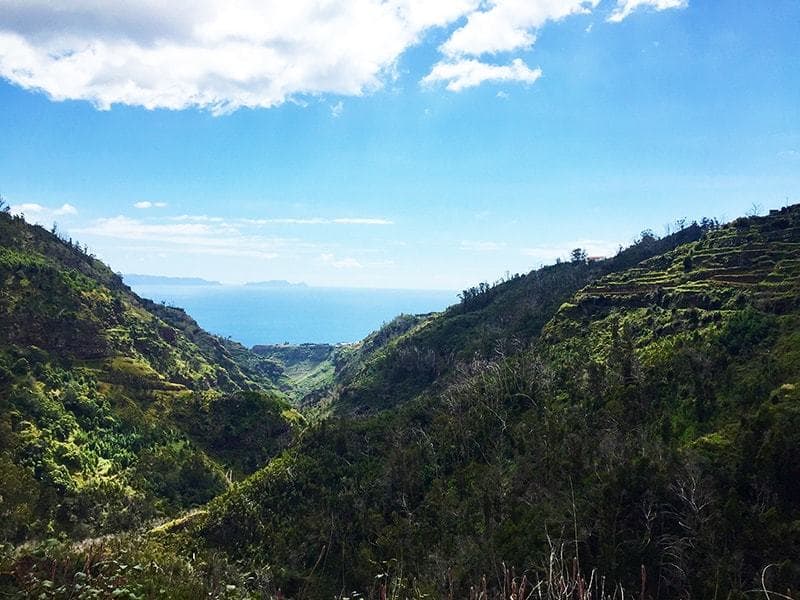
(275, 283)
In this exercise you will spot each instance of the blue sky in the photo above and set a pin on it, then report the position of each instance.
(430, 148)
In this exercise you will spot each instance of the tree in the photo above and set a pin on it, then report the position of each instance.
(647, 237)
(755, 210)
(578, 255)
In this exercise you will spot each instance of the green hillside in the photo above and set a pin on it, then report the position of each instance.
(411, 355)
(627, 424)
(114, 410)
(651, 430)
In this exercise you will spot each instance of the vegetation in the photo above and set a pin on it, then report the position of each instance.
(305, 372)
(113, 410)
(593, 428)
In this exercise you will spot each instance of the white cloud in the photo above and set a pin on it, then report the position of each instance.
(198, 218)
(507, 25)
(468, 73)
(37, 213)
(337, 109)
(132, 229)
(221, 239)
(549, 253)
(148, 204)
(340, 263)
(209, 53)
(66, 209)
(317, 221)
(499, 26)
(625, 8)
(27, 208)
(224, 55)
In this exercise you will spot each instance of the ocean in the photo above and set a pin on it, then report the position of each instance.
(264, 315)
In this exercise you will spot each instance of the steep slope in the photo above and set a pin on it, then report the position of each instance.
(412, 356)
(305, 372)
(114, 409)
(650, 431)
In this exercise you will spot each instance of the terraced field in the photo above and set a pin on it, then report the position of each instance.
(752, 260)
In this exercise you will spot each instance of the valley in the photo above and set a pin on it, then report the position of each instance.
(633, 420)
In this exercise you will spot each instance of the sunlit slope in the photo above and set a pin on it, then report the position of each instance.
(113, 409)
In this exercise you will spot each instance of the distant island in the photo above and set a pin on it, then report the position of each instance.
(275, 283)
(135, 279)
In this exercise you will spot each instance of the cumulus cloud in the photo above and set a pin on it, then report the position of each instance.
(469, 73)
(208, 53)
(625, 8)
(148, 204)
(224, 55)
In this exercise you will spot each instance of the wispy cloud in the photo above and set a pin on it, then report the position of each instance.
(38, 213)
(221, 239)
(198, 218)
(340, 263)
(148, 204)
(789, 155)
(361, 221)
(317, 221)
(337, 109)
(478, 246)
(283, 220)
(625, 8)
(467, 73)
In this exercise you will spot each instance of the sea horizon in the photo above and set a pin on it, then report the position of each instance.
(254, 315)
